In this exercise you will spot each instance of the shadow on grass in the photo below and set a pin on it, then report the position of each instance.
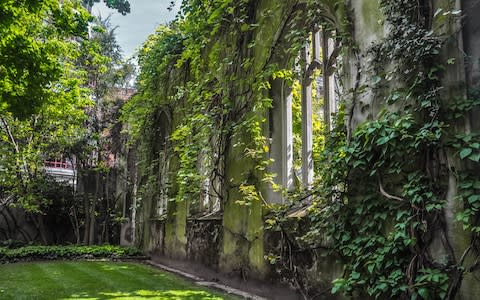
(96, 281)
(148, 294)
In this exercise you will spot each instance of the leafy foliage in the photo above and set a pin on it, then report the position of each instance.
(38, 45)
(29, 253)
(42, 90)
(122, 6)
(381, 192)
(187, 68)
(50, 70)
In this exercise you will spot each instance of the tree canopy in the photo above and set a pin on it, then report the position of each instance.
(50, 69)
(38, 40)
(122, 6)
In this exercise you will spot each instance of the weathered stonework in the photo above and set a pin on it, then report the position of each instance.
(235, 241)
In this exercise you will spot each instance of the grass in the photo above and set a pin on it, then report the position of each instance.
(96, 280)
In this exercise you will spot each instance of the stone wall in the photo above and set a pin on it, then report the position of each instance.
(235, 241)
(204, 240)
(17, 225)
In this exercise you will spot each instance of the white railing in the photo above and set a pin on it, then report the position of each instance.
(62, 171)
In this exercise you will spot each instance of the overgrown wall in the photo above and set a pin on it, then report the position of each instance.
(391, 215)
(239, 241)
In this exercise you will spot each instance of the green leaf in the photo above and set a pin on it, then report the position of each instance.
(357, 163)
(442, 295)
(383, 140)
(376, 79)
(438, 12)
(338, 285)
(451, 61)
(465, 152)
(473, 198)
(423, 292)
(355, 275)
(475, 157)
(370, 268)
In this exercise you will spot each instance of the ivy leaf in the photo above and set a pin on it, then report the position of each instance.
(465, 152)
(424, 293)
(437, 12)
(475, 157)
(383, 140)
(370, 268)
(357, 163)
(338, 284)
(244, 27)
(473, 198)
(476, 185)
(376, 80)
(355, 275)
(451, 61)
(467, 138)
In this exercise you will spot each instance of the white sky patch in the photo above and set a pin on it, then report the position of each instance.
(134, 28)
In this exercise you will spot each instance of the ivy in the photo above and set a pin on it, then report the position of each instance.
(381, 190)
(383, 197)
(382, 194)
(188, 68)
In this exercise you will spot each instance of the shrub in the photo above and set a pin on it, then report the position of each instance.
(29, 253)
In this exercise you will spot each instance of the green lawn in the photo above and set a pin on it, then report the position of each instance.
(95, 280)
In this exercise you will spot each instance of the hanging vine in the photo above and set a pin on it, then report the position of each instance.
(383, 195)
(380, 200)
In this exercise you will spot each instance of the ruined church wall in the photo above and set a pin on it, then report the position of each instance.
(235, 240)
(460, 80)
(235, 243)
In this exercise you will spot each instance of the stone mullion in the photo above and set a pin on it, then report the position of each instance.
(287, 138)
(307, 122)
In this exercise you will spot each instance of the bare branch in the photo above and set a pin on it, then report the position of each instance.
(384, 193)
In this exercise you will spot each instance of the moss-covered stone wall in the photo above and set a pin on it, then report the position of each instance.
(241, 248)
(451, 241)
(235, 239)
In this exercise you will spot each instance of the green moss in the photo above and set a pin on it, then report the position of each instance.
(243, 238)
(269, 17)
(146, 217)
(372, 16)
(255, 233)
(175, 230)
(181, 225)
(232, 256)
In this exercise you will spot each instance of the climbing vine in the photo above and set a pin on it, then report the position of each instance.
(207, 72)
(384, 193)
(380, 200)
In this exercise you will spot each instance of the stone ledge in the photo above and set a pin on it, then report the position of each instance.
(201, 282)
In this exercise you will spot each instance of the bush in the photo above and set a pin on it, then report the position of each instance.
(29, 253)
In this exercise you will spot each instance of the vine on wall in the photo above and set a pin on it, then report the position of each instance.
(382, 195)
(206, 73)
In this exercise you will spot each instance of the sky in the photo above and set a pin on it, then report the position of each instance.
(134, 28)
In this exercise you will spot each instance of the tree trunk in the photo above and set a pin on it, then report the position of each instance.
(41, 229)
(86, 207)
